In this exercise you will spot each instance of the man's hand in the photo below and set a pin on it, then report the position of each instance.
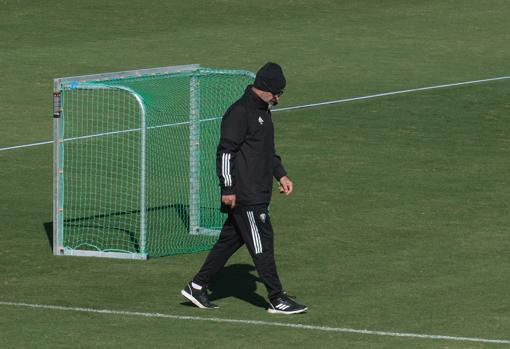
(229, 200)
(286, 185)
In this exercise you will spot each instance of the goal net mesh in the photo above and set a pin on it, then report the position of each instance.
(138, 161)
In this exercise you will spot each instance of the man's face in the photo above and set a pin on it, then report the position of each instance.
(271, 98)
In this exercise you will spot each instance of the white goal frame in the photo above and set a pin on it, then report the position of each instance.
(59, 85)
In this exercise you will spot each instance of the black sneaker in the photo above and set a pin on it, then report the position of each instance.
(197, 296)
(284, 305)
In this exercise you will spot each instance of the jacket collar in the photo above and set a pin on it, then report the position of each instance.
(255, 100)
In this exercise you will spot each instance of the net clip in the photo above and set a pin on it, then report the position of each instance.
(57, 105)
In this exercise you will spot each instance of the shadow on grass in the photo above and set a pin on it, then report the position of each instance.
(110, 222)
(48, 228)
(102, 221)
(236, 281)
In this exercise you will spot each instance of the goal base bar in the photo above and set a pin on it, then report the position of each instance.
(86, 253)
(205, 231)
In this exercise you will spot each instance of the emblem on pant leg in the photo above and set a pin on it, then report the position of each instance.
(263, 217)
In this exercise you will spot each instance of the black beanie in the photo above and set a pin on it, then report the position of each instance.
(270, 78)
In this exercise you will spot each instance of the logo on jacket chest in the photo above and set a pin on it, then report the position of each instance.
(261, 121)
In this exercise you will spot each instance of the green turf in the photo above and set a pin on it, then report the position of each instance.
(400, 213)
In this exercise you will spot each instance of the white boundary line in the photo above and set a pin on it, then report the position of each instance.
(297, 107)
(105, 134)
(395, 93)
(257, 323)
(25, 145)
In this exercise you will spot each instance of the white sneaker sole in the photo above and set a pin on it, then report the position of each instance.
(193, 300)
(276, 311)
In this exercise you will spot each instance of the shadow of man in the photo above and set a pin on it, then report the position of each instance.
(237, 281)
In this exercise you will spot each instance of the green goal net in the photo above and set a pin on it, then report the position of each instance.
(134, 160)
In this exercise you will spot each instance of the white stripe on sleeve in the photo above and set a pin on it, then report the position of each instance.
(225, 169)
(228, 170)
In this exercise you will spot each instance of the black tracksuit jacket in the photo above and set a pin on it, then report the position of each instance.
(246, 161)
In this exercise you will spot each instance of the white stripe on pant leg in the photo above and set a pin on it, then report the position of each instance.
(257, 235)
(254, 233)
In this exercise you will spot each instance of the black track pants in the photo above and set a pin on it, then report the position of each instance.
(250, 226)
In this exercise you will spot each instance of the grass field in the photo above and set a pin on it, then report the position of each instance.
(399, 220)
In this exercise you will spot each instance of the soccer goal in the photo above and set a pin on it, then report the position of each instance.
(135, 159)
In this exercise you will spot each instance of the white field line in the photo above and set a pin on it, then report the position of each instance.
(312, 105)
(395, 93)
(25, 145)
(257, 323)
(105, 134)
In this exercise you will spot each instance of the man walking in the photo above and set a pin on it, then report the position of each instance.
(246, 163)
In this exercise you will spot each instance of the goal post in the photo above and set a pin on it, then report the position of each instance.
(134, 160)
